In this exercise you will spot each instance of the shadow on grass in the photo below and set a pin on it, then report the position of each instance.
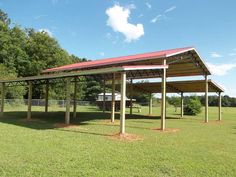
(138, 116)
(84, 132)
(43, 121)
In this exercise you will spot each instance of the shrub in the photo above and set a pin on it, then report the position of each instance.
(193, 106)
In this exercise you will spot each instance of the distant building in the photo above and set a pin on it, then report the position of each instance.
(108, 99)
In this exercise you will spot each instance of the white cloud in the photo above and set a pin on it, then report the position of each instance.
(170, 9)
(163, 15)
(45, 30)
(221, 69)
(118, 20)
(154, 20)
(215, 55)
(148, 5)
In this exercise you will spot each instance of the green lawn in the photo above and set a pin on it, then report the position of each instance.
(37, 148)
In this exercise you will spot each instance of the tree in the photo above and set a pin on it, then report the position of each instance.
(4, 18)
(76, 59)
(193, 106)
(26, 52)
(141, 97)
(175, 101)
(44, 52)
(12, 52)
(92, 89)
(11, 92)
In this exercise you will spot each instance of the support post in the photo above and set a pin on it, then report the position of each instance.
(220, 117)
(206, 99)
(67, 115)
(113, 99)
(163, 98)
(182, 105)
(46, 96)
(75, 98)
(29, 100)
(131, 97)
(104, 96)
(2, 98)
(150, 104)
(122, 103)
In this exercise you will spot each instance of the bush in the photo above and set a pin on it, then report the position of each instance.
(193, 106)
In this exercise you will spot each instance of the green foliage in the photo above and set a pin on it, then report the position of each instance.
(156, 101)
(12, 49)
(92, 89)
(26, 52)
(76, 59)
(213, 100)
(193, 106)
(43, 52)
(175, 101)
(4, 18)
(141, 97)
(11, 92)
(228, 101)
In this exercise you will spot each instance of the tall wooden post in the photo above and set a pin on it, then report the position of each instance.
(150, 104)
(2, 98)
(122, 103)
(29, 100)
(75, 98)
(131, 97)
(104, 96)
(67, 115)
(113, 99)
(206, 99)
(220, 107)
(182, 105)
(46, 96)
(163, 98)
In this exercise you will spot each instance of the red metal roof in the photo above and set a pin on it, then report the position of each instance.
(119, 60)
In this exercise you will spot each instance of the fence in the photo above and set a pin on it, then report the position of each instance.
(41, 102)
(59, 103)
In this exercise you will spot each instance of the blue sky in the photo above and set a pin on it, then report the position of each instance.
(101, 29)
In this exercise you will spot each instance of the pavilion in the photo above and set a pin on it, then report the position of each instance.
(180, 87)
(181, 62)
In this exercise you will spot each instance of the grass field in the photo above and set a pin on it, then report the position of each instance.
(37, 148)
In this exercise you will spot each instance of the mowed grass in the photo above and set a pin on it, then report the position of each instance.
(37, 148)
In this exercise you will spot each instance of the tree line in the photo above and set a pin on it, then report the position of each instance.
(226, 101)
(26, 52)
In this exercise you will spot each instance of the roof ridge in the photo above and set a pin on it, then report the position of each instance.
(121, 59)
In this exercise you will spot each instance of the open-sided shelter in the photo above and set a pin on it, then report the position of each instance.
(181, 62)
(180, 87)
